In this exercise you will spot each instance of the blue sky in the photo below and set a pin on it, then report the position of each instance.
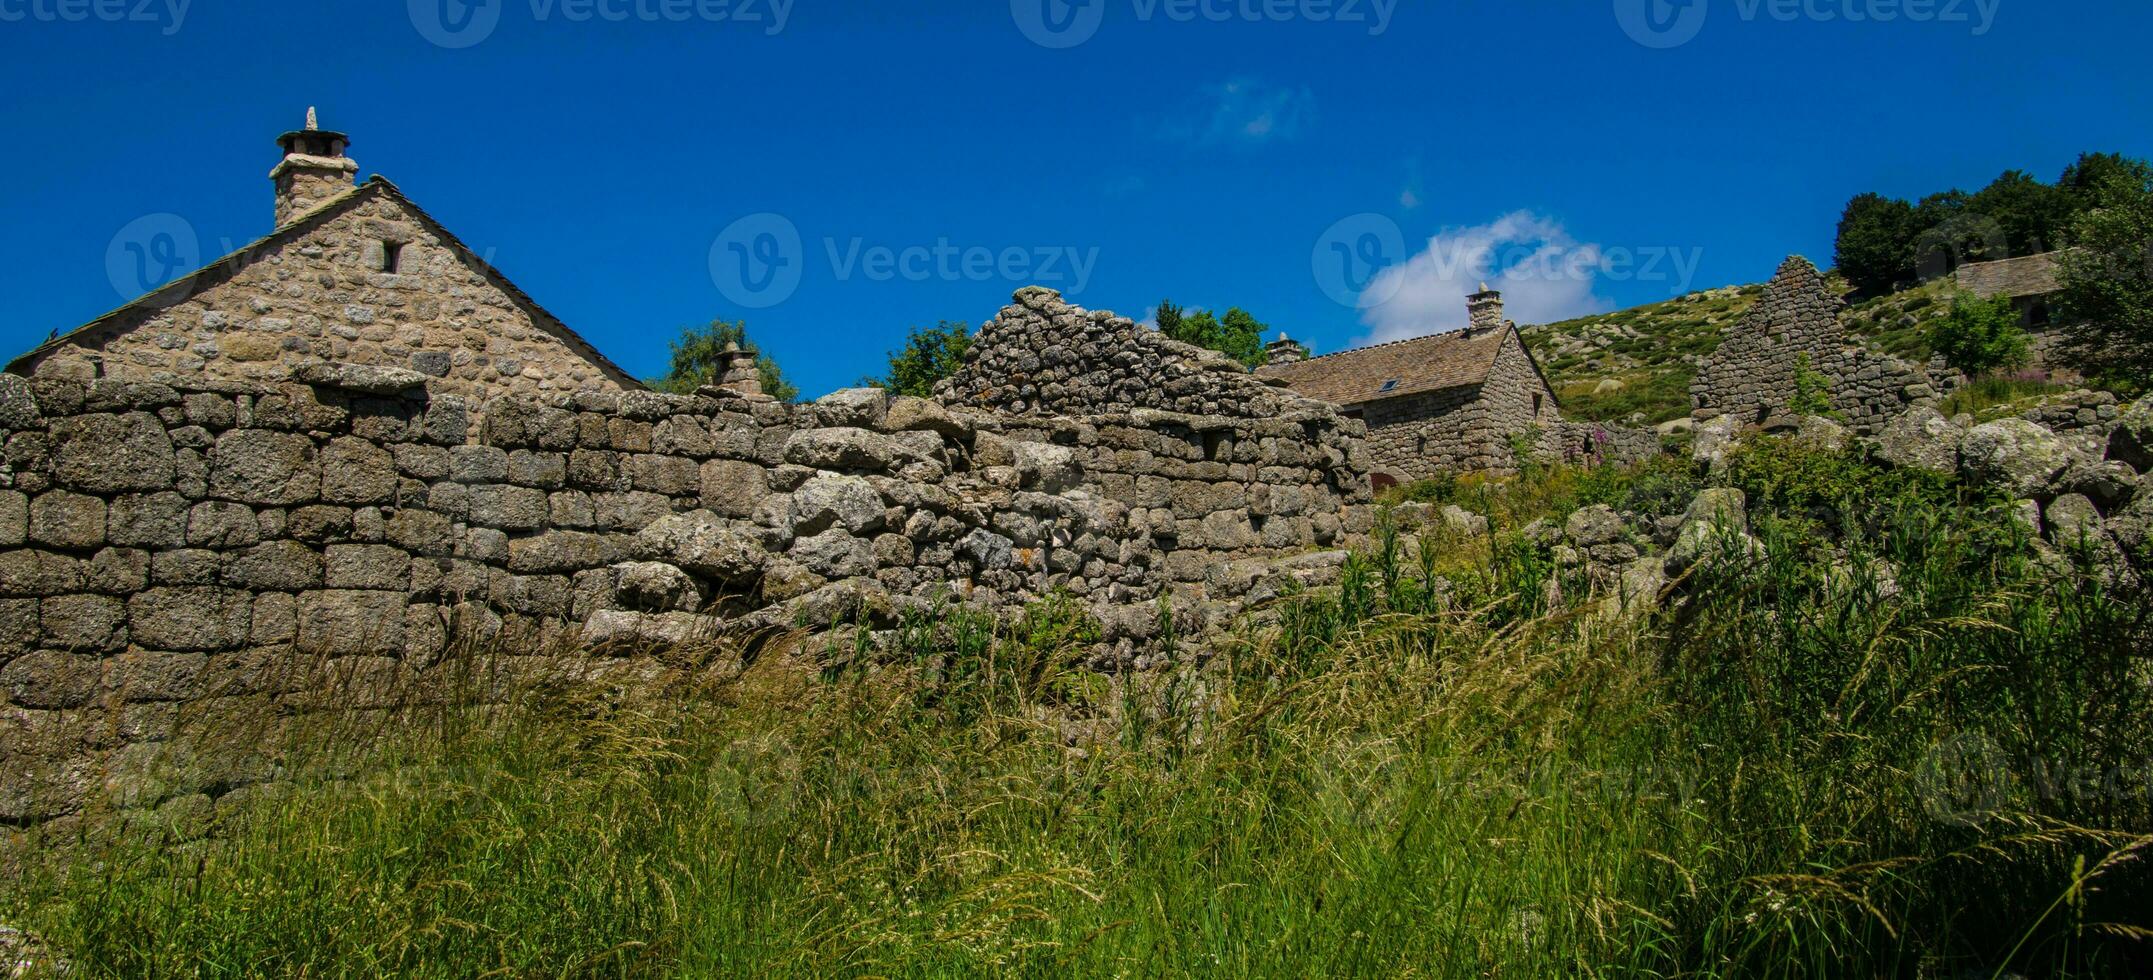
(640, 165)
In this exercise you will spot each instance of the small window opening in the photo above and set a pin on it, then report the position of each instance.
(392, 256)
(1536, 404)
(1390, 386)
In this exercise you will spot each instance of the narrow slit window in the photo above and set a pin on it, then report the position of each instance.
(392, 256)
(1536, 404)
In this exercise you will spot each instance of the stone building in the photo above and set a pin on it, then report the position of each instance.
(1793, 340)
(2029, 280)
(353, 274)
(1447, 402)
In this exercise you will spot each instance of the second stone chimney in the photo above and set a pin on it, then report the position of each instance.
(1485, 308)
(314, 169)
(1284, 350)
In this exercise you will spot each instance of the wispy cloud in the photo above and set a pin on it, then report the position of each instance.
(1544, 273)
(1243, 112)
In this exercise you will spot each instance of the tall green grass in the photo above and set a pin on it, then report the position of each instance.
(1825, 762)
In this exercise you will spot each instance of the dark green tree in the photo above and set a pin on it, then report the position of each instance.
(2032, 214)
(2082, 180)
(1238, 335)
(1981, 335)
(1950, 233)
(1875, 249)
(2106, 296)
(1169, 320)
(699, 359)
(929, 355)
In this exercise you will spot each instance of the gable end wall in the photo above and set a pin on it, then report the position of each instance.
(323, 297)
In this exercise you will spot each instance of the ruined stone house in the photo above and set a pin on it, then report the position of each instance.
(1447, 402)
(353, 274)
(1792, 343)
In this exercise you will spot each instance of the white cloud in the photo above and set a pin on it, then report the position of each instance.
(1544, 274)
(1244, 111)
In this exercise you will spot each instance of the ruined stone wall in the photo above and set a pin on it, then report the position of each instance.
(1462, 429)
(167, 545)
(1042, 356)
(1754, 374)
(320, 295)
(1579, 442)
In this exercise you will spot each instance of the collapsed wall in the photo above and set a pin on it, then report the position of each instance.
(1759, 369)
(163, 546)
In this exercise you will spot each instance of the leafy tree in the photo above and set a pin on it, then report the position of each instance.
(929, 355)
(2031, 214)
(1238, 335)
(1241, 337)
(2106, 296)
(699, 359)
(1981, 336)
(1950, 233)
(2082, 181)
(1875, 250)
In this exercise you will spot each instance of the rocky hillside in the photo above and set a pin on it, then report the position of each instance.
(1635, 365)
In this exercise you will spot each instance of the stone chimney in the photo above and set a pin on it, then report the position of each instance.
(314, 169)
(740, 376)
(1485, 309)
(1284, 350)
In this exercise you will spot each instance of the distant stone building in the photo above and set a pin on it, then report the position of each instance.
(1791, 339)
(1449, 402)
(2029, 280)
(352, 275)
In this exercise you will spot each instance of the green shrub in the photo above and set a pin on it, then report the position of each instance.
(1981, 336)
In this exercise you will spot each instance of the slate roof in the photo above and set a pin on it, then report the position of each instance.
(1422, 364)
(2027, 275)
(376, 186)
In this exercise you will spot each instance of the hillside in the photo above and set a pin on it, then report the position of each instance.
(1613, 366)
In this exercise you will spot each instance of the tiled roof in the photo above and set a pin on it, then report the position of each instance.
(2027, 275)
(1432, 363)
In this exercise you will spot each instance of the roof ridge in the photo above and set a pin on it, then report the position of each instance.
(1461, 331)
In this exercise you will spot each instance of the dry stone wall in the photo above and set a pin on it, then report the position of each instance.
(166, 545)
(1755, 374)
